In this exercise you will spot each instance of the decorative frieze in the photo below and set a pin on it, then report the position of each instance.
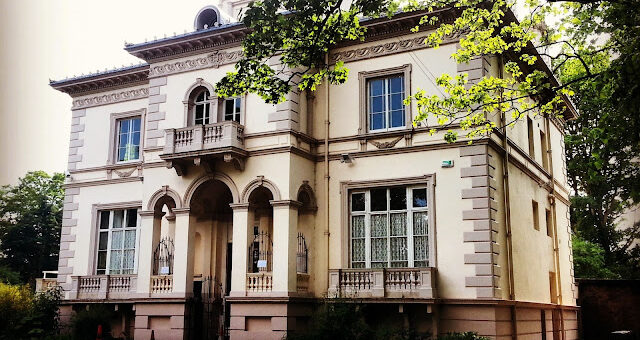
(110, 98)
(213, 60)
(387, 48)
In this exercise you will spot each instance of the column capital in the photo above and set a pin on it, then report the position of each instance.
(285, 203)
(239, 206)
(180, 211)
(147, 213)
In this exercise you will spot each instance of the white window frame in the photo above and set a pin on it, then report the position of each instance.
(387, 109)
(409, 211)
(114, 135)
(223, 112)
(130, 134)
(109, 231)
(206, 104)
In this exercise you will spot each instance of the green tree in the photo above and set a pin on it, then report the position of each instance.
(588, 260)
(603, 171)
(30, 222)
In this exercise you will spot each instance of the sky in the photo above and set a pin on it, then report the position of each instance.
(54, 39)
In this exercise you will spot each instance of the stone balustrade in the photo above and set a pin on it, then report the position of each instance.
(259, 282)
(100, 287)
(220, 135)
(161, 284)
(302, 280)
(382, 283)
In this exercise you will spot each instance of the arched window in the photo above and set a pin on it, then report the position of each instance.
(201, 106)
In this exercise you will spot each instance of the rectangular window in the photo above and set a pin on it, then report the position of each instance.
(548, 221)
(389, 227)
(530, 135)
(536, 218)
(232, 109)
(128, 139)
(385, 97)
(553, 292)
(543, 150)
(117, 241)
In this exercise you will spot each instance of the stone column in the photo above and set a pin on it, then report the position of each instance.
(285, 232)
(241, 219)
(183, 257)
(145, 259)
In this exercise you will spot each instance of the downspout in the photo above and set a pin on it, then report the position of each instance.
(505, 183)
(326, 164)
(552, 200)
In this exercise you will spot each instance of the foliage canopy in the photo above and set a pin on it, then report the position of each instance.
(30, 222)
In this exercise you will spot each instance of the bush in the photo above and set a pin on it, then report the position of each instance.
(346, 319)
(335, 321)
(85, 323)
(462, 336)
(25, 315)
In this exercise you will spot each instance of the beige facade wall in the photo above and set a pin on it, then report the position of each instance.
(285, 149)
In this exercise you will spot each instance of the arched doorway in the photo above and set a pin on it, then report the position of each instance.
(210, 221)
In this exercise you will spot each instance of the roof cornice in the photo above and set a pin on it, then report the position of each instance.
(189, 43)
(97, 82)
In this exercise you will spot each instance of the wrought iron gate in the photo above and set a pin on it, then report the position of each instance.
(204, 312)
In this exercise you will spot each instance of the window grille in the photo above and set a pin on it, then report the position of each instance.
(163, 257)
(302, 255)
(261, 253)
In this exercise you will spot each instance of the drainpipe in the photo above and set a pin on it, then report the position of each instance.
(505, 184)
(326, 163)
(556, 250)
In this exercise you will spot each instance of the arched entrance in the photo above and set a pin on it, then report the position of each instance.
(210, 221)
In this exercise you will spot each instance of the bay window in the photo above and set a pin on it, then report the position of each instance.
(117, 241)
(389, 227)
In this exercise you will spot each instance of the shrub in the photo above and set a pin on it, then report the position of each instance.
(462, 336)
(25, 315)
(85, 323)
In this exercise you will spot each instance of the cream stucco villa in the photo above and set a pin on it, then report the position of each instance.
(195, 216)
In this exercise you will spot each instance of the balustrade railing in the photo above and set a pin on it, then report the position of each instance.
(103, 287)
(259, 282)
(204, 137)
(302, 280)
(382, 282)
(161, 284)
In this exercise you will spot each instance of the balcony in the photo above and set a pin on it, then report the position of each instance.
(202, 144)
(161, 284)
(48, 281)
(100, 287)
(262, 282)
(417, 283)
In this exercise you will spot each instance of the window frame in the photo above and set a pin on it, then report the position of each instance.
(94, 240)
(114, 140)
(207, 103)
(349, 187)
(364, 78)
(221, 108)
(409, 234)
